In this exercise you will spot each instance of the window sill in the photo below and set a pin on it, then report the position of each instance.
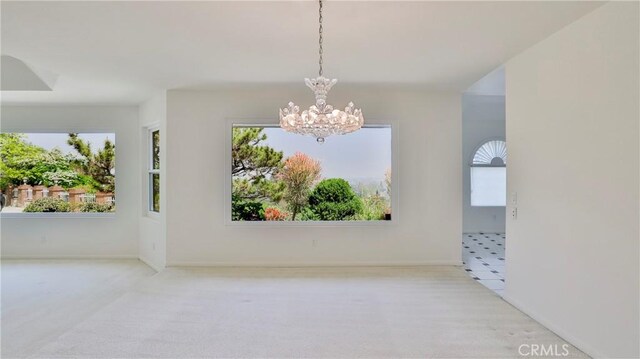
(155, 216)
(56, 215)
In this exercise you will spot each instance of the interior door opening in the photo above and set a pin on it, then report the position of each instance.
(484, 194)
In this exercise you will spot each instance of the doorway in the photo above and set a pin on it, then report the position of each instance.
(484, 169)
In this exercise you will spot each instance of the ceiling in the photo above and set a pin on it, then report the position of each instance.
(124, 52)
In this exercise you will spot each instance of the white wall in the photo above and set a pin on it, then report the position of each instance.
(80, 237)
(152, 242)
(572, 129)
(430, 216)
(483, 119)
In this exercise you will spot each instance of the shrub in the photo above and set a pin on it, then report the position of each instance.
(95, 207)
(334, 200)
(306, 214)
(48, 204)
(373, 208)
(245, 210)
(274, 214)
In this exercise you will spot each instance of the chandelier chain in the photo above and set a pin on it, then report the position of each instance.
(320, 37)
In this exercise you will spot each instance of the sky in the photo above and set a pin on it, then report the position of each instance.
(50, 141)
(363, 155)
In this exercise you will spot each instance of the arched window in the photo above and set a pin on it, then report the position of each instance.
(489, 175)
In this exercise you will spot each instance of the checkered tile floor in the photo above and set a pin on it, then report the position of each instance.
(483, 259)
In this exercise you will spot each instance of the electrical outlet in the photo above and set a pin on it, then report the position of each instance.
(514, 198)
(514, 213)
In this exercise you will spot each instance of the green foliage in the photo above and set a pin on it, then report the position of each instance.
(306, 214)
(87, 183)
(23, 161)
(254, 166)
(155, 146)
(334, 200)
(155, 190)
(260, 189)
(48, 204)
(244, 210)
(95, 207)
(250, 158)
(100, 166)
(14, 150)
(373, 208)
(64, 178)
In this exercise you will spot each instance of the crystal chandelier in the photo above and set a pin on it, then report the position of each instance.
(320, 120)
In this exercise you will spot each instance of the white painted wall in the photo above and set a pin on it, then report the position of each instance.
(152, 241)
(80, 237)
(572, 127)
(483, 119)
(429, 214)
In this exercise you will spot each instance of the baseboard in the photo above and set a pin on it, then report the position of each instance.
(238, 264)
(150, 263)
(88, 256)
(310, 265)
(586, 348)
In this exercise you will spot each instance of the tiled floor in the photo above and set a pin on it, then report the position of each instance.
(483, 259)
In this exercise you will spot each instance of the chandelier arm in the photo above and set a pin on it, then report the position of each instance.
(320, 37)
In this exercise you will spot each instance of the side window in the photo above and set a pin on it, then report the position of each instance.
(154, 170)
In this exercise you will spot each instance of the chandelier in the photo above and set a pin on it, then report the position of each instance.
(320, 120)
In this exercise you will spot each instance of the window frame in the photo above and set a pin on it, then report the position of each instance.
(370, 123)
(151, 172)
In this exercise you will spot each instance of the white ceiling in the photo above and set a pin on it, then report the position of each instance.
(124, 52)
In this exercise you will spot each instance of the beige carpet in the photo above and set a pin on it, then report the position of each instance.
(433, 312)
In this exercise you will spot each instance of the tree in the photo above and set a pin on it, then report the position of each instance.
(22, 161)
(250, 159)
(254, 164)
(299, 173)
(14, 150)
(334, 200)
(100, 166)
(262, 189)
